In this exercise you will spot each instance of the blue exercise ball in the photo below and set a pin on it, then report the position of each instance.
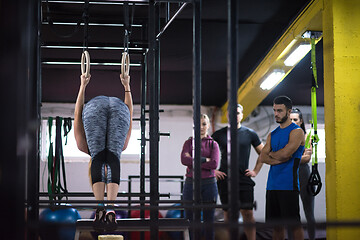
(175, 213)
(59, 224)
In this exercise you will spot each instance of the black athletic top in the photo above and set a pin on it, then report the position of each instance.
(246, 138)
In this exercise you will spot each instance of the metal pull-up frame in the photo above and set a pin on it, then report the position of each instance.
(151, 71)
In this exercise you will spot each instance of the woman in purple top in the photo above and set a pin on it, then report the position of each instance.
(209, 162)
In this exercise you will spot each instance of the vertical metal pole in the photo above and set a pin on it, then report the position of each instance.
(129, 197)
(19, 94)
(142, 129)
(143, 123)
(232, 109)
(154, 117)
(182, 197)
(143, 139)
(33, 160)
(144, 35)
(196, 117)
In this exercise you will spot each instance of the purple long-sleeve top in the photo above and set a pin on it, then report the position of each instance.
(209, 149)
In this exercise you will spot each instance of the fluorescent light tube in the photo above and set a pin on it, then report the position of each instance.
(272, 80)
(297, 55)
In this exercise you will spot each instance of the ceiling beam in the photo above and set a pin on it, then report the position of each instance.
(250, 95)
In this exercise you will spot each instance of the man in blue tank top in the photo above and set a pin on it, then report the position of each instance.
(282, 151)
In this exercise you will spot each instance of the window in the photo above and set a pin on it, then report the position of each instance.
(73, 154)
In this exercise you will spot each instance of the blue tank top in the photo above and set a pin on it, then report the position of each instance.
(284, 176)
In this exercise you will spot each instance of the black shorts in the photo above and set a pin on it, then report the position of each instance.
(282, 206)
(246, 196)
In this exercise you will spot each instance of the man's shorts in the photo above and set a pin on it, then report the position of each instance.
(246, 196)
(282, 206)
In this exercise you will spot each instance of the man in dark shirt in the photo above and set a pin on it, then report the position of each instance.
(246, 138)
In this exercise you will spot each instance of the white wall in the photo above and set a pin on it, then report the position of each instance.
(178, 121)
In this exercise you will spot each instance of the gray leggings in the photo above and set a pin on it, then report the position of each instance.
(106, 123)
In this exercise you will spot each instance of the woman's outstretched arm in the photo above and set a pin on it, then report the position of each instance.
(125, 80)
(79, 131)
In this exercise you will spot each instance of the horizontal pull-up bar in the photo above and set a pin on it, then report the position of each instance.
(90, 194)
(94, 47)
(136, 2)
(93, 63)
(136, 45)
(174, 1)
(93, 24)
(134, 119)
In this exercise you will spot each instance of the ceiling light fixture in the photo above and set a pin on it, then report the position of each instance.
(297, 55)
(272, 79)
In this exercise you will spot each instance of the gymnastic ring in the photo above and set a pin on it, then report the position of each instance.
(85, 58)
(125, 64)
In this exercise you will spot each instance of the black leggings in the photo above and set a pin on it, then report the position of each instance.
(108, 160)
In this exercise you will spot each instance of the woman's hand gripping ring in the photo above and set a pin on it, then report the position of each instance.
(85, 63)
(125, 64)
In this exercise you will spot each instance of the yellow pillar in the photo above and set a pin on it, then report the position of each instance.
(341, 38)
